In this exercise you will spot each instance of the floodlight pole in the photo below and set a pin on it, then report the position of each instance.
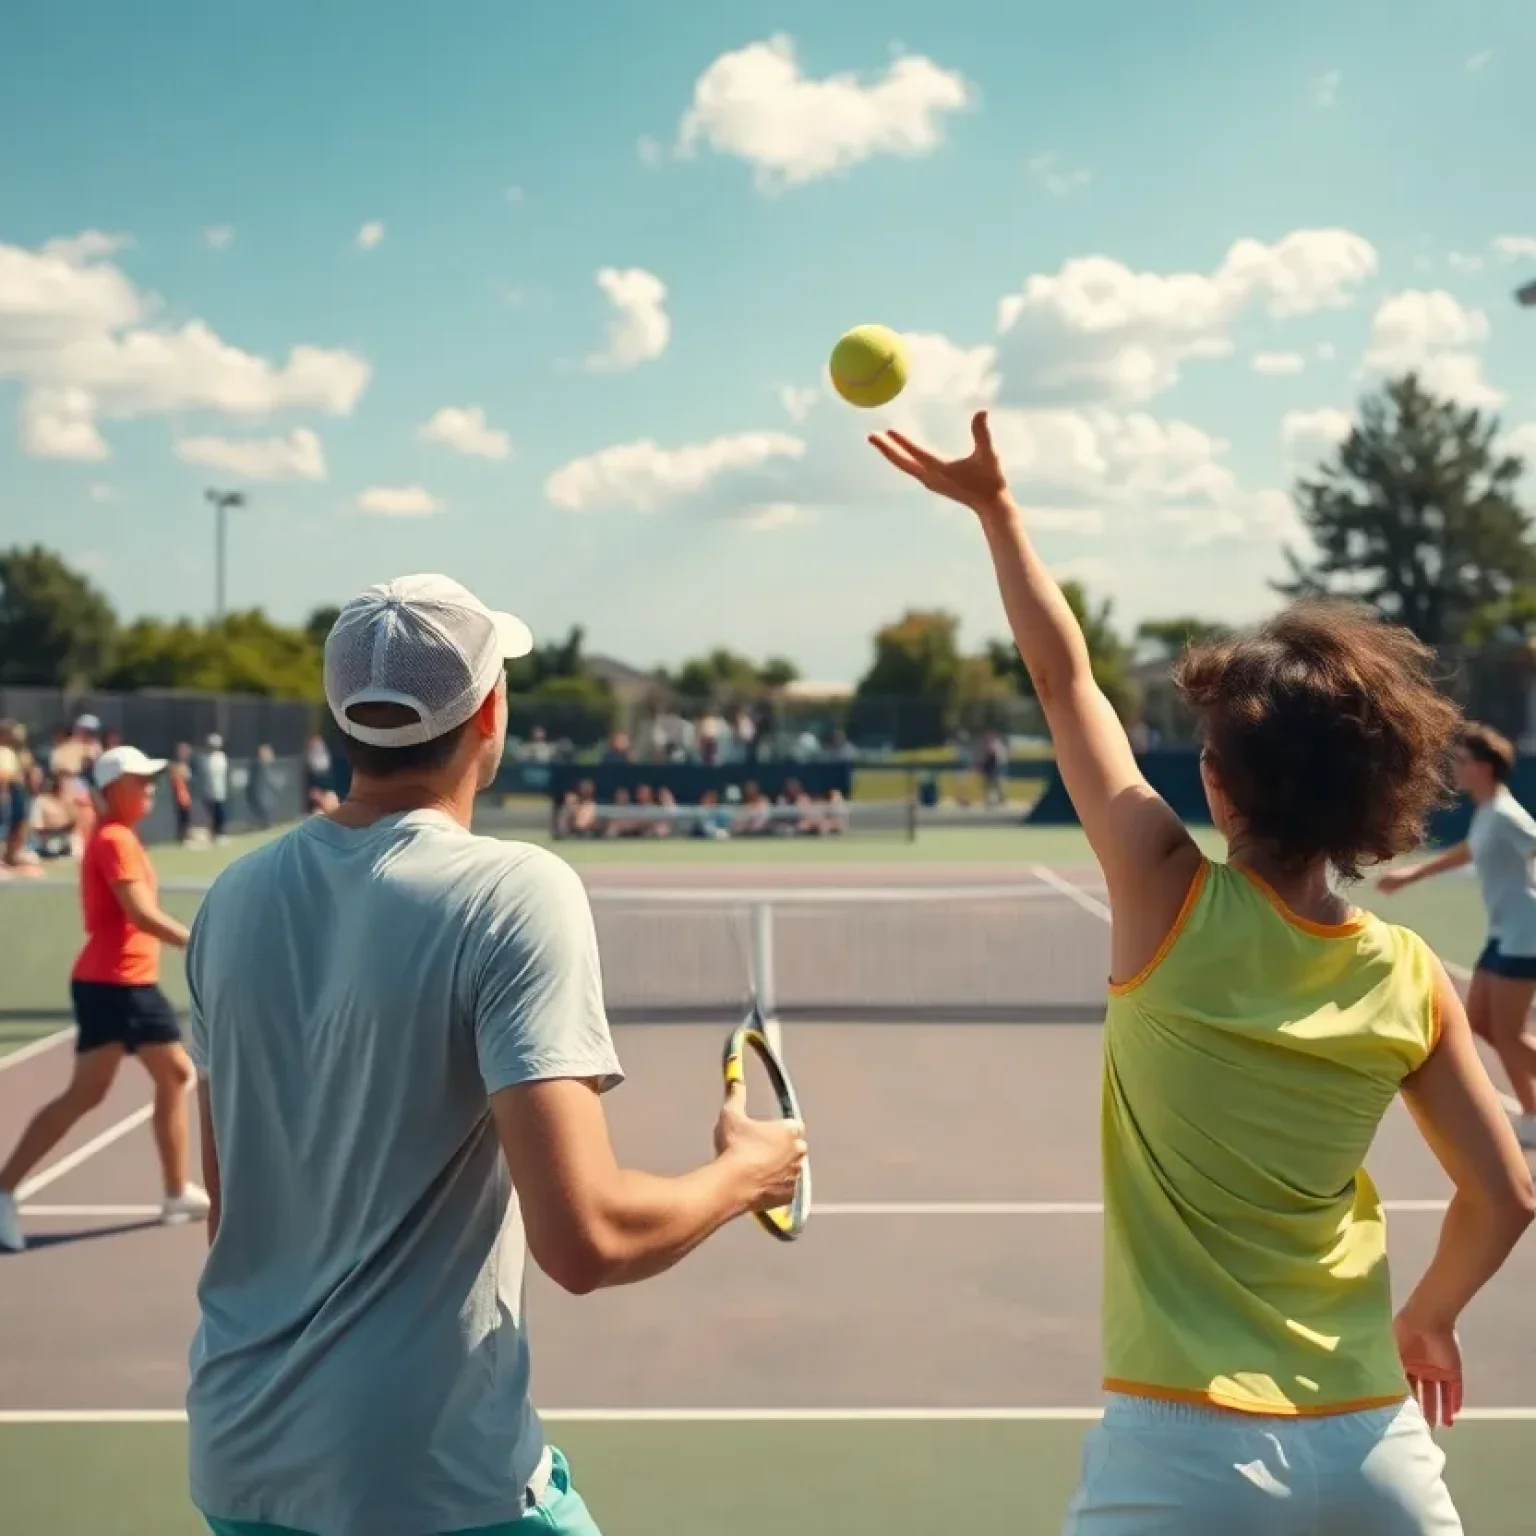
(221, 502)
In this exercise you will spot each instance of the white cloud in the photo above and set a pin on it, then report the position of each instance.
(1521, 441)
(84, 343)
(1325, 89)
(1515, 247)
(1278, 362)
(399, 501)
(1058, 179)
(651, 151)
(464, 429)
(101, 492)
(219, 236)
(1460, 261)
(797, 400)
(299, 456)
(61, 424)
(643, 476)
(1311, 435)
(371, 235)
(639, 332)
(1097, 331)
(1326, 351)
(773, 516)
(1432, 334)
(1479, 61)
(757, 105)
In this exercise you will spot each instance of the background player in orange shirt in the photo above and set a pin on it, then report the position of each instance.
(119, 1007)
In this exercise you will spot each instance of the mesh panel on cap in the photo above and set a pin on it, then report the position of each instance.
(432, 653)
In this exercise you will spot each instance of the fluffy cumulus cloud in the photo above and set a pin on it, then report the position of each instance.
(1069, 378)
(644, 477)
(1515, 247)
(86, 346)
(465, 429)
(1433, 334)
(398, 501)
(640, 328)
(219, 237)
(756, 104)
(298, 456)
(1311, 435)
(1274, 363)
(370, 236)
(1098, 331)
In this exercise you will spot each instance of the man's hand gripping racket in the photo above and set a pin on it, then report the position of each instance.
(772, 1153)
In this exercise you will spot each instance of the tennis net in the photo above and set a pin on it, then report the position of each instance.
(1010, 952)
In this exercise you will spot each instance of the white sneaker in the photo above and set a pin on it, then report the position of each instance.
(12, 1238)
(192, 1204)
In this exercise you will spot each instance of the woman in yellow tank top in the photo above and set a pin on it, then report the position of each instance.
(1257, 1030)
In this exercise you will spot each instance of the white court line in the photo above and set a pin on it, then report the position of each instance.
(123, 1212)
(716, 1415)
(35, 1048)
(55, 1171)
(1073, 893)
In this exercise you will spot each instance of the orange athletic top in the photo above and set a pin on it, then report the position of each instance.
(115, 950)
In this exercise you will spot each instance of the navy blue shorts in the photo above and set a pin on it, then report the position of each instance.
(1513, 967)
(107, 1013)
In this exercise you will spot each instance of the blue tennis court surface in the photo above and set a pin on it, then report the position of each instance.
(925, 1358)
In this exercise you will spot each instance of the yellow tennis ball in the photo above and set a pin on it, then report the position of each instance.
(869, 366)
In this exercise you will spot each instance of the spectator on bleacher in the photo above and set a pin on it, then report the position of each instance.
(14, 762)
(216, 786)
(616, 824)
(55, 817)
(744, 729)
(756, 818)
(838, 748)
(537, 748)
(710, 734)
(75, 751)
(618, 748)
(715, 823)
(648, 825)
(179, 773)
(667, 802)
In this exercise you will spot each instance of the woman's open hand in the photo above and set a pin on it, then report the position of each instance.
(976, 481)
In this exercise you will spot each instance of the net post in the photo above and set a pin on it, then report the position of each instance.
(762, 963)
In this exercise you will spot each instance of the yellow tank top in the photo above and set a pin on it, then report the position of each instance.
(1246, 1070)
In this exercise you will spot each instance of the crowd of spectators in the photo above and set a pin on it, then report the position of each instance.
(741, 812)
(47, 810)
(714, 739)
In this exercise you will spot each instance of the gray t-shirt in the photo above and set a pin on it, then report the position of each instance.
(1502, 840)
(361, 1367)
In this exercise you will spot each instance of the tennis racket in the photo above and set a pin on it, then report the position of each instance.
(786, 1222)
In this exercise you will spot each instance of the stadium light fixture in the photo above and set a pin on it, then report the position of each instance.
(222, 503)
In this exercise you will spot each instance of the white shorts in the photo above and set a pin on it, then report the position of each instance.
(1152, 1468)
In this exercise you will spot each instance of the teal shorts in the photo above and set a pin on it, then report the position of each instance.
(561, 1512)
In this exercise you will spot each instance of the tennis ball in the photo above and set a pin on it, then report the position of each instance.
(869, 366)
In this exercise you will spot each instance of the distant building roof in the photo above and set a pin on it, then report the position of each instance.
(625, 680)
(802, 688)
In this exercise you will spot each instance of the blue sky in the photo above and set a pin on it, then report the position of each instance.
(466, 288)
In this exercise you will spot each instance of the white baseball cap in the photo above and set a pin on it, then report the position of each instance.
(122, 763)
(423, 642)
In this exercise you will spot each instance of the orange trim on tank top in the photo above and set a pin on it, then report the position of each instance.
(1224, 1404)
(1191, 896)
(1304, 924)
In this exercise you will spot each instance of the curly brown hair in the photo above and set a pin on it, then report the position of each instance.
(1327, 733)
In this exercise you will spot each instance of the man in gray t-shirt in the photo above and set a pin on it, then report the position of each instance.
(401, 1045)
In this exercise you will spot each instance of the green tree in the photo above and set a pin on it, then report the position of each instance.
(920, 687)
(320, 623)
(723, 676)
(56, 629)
(242, 653)
(1417, 513)
(1109, 656)
(1171, 637)
(556, 658)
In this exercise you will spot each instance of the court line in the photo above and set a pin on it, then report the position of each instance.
(67, 1164)
(1074, 893)
(73, 1416)
(854, 1208)
(35, 1048)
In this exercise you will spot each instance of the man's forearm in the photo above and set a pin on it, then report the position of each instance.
(654, 1222)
